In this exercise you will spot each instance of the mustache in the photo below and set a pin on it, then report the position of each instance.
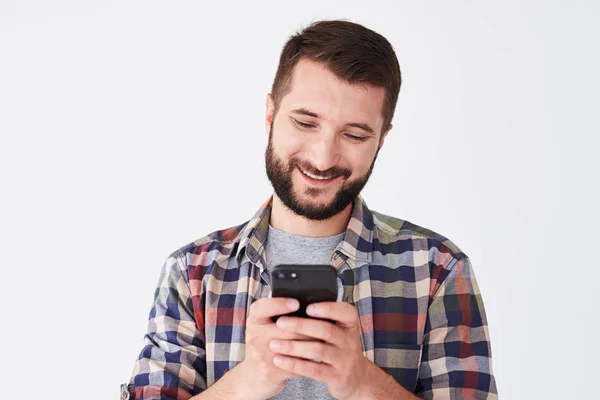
(330, 173)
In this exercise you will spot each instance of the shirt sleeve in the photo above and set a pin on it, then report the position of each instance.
(172, 364)
(457, 361)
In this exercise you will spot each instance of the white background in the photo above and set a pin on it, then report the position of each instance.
(130, 128)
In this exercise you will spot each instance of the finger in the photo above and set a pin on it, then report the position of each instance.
(314, 328)
(257, 345)
(310, 350)
(262, 310)
(315, 370)
(275, 333)
(343, 313)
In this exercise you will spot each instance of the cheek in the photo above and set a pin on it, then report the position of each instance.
(360, 160)
(286, 139)
(289, 147)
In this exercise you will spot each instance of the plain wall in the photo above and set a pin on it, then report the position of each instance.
(130, 128)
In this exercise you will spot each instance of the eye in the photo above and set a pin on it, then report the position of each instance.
(301, 124)
(357, 138)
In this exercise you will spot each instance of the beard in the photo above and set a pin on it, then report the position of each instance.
(280, 176)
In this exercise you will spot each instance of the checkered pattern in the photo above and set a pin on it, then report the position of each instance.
(421, 314)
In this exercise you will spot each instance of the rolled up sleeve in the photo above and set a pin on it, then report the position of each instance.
(172, 364)
(456, 361)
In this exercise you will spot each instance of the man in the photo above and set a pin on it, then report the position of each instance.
(409, 319)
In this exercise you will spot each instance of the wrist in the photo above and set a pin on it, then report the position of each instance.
(376, 384)
(240, 389)
(230, 386)
(364, 390)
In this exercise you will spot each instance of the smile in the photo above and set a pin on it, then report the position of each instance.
(319, 178)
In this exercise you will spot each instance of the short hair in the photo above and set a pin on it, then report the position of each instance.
(355, 54)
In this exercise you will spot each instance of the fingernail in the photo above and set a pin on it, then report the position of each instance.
(278, 361)
(312, 310)
(293, 304)
(275, 345)
(281, 322)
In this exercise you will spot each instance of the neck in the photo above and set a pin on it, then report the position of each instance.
(284, 219)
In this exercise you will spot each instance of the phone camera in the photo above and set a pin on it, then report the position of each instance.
(281, 275)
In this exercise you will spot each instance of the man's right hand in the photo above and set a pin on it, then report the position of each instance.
(257, 374)
(257, 377)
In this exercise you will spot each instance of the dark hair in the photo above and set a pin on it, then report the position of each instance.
(349, 50)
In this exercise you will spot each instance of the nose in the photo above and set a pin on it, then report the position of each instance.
(324, 153)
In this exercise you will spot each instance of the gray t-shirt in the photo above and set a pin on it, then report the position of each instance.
(284, 248)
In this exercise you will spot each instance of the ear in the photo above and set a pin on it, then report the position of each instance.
(270, 112)
(383, 135)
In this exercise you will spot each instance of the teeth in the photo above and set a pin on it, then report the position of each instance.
(319, 178)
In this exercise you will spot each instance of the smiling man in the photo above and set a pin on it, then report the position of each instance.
(409, 321)
(329, 134)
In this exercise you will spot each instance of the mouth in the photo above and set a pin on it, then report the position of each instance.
(316, 179)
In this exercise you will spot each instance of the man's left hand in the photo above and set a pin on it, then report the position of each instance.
(342, 366)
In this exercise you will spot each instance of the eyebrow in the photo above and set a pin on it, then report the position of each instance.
(359, 125)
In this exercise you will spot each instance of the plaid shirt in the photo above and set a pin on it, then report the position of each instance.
(421, 314)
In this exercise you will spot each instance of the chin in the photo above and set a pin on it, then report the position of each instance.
(321, 200)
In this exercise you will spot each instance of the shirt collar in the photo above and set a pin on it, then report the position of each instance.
(356, 245)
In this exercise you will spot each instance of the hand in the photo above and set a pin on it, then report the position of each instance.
(343, 366)
(257, 372)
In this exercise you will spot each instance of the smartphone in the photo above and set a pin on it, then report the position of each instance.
(306, 283)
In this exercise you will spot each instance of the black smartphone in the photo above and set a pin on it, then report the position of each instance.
(306, 283)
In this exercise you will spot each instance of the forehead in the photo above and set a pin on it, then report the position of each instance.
(317, 89)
